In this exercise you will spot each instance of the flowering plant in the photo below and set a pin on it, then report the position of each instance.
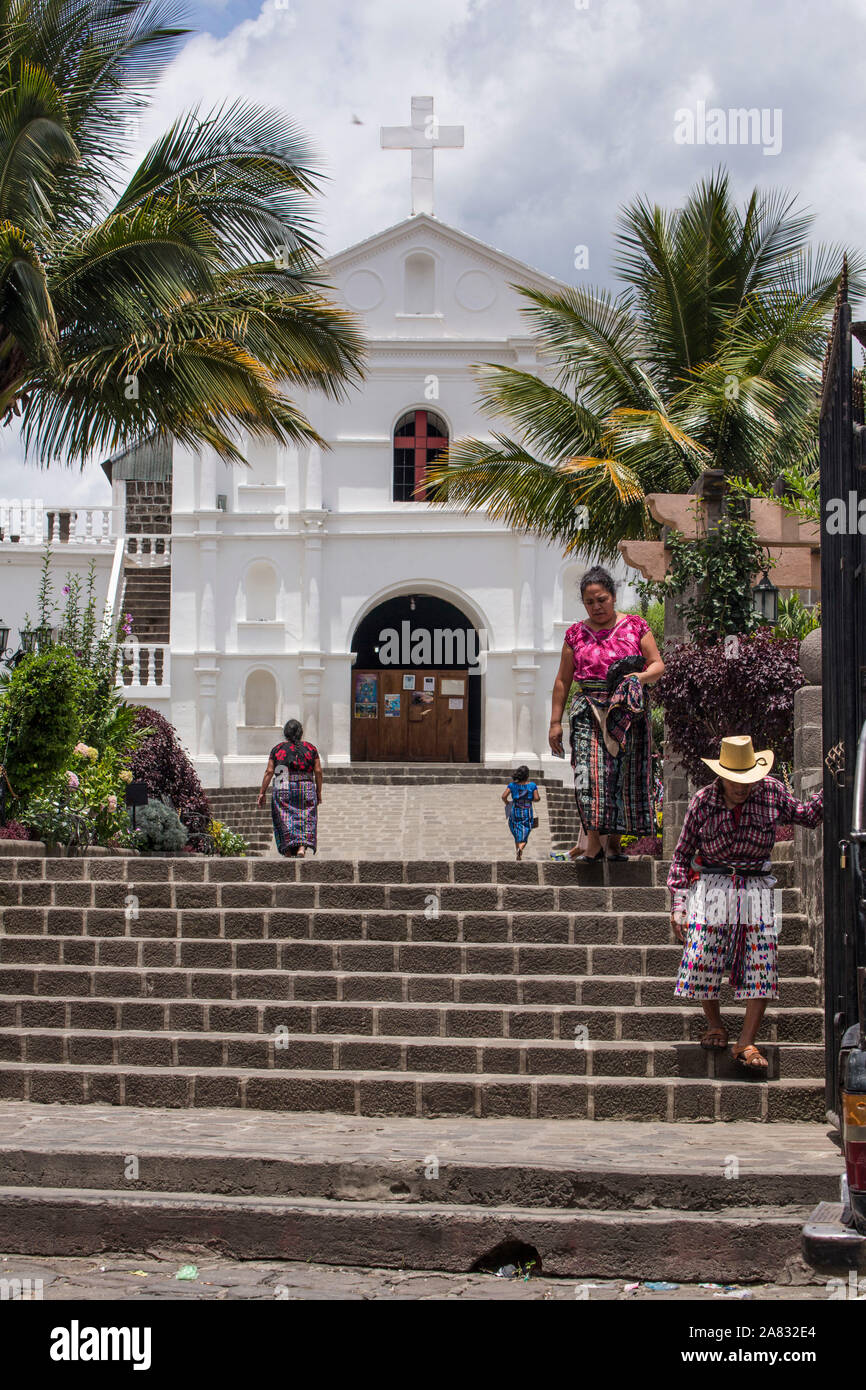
(83, 807)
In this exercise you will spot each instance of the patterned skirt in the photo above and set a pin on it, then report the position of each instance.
(520, 818)
(732, 926)
(294, 811)
(614, 795)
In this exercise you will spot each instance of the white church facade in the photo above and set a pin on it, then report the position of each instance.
(314, 584)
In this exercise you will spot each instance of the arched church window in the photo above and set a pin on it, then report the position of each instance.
(419, 438)
(260, 589)
(419, 288)
(260, 700)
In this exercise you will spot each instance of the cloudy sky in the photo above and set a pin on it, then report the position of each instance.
(569, 109)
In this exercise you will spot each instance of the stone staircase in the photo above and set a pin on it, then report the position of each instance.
(376, 988)
(147, 596)
(391, 1062)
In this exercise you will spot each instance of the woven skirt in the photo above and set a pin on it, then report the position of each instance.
(295, 812)
(614, 795)
(732, 926)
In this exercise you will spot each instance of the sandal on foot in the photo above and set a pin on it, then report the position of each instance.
(616, 858)
(589, 858)
(720, 1035)
(750, 1059)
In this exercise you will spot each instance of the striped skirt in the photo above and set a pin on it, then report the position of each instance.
(733, 925)
(294, 811)
(520, 817)
(614, 795)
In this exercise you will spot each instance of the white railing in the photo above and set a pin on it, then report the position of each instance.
(115, 582)
(28, 521)
(144, 665)
(148, 549)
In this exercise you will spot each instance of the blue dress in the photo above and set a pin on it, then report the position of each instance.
(520, 811)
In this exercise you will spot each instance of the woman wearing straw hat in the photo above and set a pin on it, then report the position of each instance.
(724, 908)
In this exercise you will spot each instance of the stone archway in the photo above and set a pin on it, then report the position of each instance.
(417, 680)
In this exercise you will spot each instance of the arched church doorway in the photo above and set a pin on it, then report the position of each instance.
(416, 683)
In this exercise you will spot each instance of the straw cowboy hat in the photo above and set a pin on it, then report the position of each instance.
(738, 760)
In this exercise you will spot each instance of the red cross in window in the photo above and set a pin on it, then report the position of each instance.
(422, 444)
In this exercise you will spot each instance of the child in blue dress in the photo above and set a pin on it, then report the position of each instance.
(519, 809)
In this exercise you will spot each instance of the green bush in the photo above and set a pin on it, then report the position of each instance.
(226, 841)
(655, 616)
(159, 828)
(40, 716)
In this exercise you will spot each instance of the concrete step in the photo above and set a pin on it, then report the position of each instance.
(584, 1198)
(260, 1012)
(384, 774)
(516, 1055)
(740, 1246)
(574, 1164)
(349, 952)
(330, 924)
(419, 1094)
(95, 982)
(473, 988)
(185, 868)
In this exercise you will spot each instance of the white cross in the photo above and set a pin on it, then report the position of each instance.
(422, 137)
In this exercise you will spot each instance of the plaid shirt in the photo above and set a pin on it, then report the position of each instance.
(710, 831)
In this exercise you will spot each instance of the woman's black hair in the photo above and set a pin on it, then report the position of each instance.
(521, 774)
(293, 732)
(598, 575)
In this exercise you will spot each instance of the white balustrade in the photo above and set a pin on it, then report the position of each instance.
(144, 665)
(146, 549)
(30, 521)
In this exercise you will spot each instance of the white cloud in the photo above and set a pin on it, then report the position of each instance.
(569, 113)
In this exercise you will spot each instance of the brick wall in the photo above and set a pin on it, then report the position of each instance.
(148, 507)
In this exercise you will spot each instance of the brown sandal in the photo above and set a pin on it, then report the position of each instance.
(750, 1059)
(709, 1045)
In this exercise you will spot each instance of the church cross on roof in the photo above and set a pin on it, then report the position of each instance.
(422, 137)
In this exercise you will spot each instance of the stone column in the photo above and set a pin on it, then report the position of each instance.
(207, 666)
(311, 667)
(525, 668)
(808, 778)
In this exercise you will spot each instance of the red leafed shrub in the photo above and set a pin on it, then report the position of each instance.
(162, 763)
(647, 844)
(14, 830)
(742, 685)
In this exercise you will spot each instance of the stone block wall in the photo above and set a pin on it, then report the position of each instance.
(809, 844)
(148, 507)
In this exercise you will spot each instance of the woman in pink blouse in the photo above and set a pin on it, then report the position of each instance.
(610, 734)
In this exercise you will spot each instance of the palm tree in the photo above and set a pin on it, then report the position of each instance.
(710, 357)
(186, 303)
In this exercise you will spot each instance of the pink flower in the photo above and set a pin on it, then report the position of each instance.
(72, 779)
(112, 803)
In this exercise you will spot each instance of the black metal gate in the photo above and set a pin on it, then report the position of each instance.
(843, 631)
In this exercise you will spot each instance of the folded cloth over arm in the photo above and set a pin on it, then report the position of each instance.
(614, 718)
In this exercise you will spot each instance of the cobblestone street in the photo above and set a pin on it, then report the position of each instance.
(153, 1276)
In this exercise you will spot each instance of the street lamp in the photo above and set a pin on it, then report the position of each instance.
(36, 639)
(765, 601)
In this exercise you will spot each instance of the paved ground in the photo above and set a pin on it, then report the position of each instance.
(418, 822)
(152, 1275)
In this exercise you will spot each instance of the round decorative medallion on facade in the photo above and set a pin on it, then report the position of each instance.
(475, 290)
(364, 290)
